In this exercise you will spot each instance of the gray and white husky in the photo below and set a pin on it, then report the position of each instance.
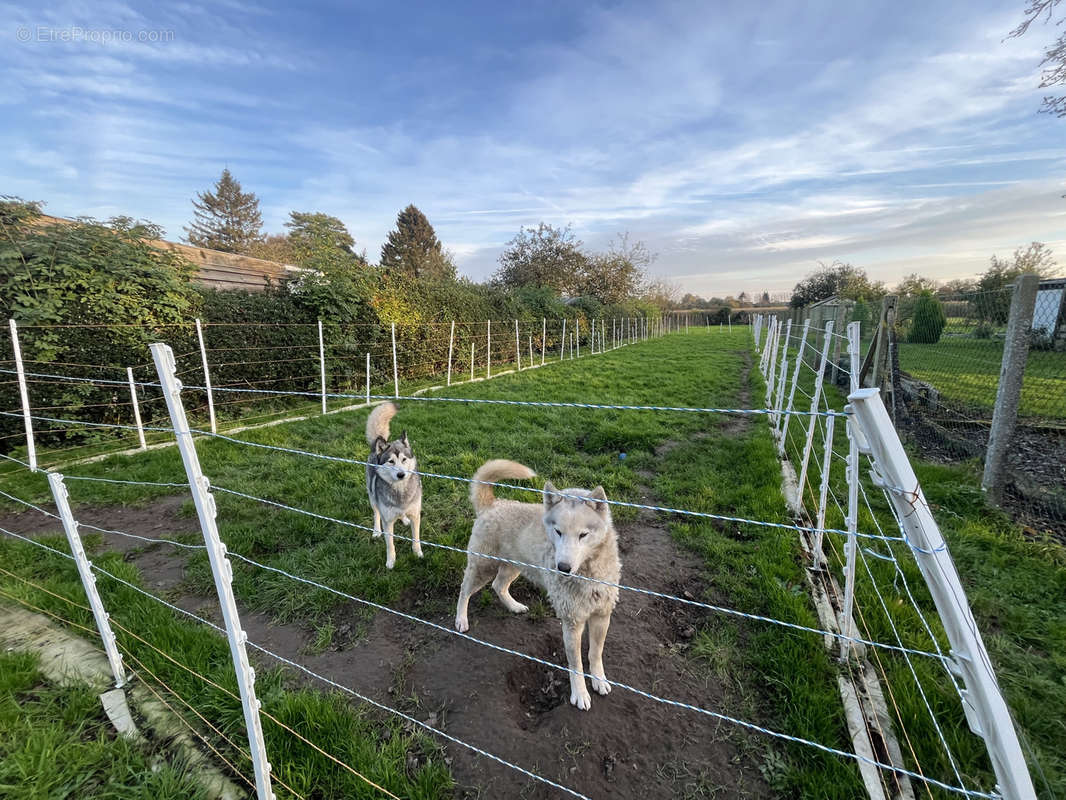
(573, 535)
(392, 483)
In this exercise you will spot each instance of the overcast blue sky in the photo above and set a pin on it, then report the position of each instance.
(742, 141)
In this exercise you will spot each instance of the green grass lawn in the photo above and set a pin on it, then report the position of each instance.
(966, 372)
(56, 742)
(714, 464)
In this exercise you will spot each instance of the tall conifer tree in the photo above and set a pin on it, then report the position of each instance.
(226, 219)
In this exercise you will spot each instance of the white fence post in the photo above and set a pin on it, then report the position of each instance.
(819, 379)
(488, 349)
(795, 380)
(471, 361)
(451, 347)
(395, 368)
(562, 342)
(207, 378)
(577, 336)
(543, 338)
(517, 349)
(782, 378)
(136, 408)
(823, 491)
(368, 378)
(603, 335)
(986, 710)
(31, 450)
(322, 364)
(773, 344)
(221, 568)
(88, 579)
(530, 353)
(851, 544)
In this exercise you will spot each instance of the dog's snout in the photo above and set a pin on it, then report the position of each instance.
(400, 474)
(564, 566)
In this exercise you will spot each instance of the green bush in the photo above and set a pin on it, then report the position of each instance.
(928, 321)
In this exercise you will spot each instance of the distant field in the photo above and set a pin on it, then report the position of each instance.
(966, 371)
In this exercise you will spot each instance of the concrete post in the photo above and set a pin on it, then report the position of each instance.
(1011, 372)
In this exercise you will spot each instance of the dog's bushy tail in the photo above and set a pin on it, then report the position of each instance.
(491, 471)
(377, 424)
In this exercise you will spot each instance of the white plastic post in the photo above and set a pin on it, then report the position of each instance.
(781, 378)
(851, 543)
(471, 361)
(322, 363)
(577, 337)
(136, 408)
(819, 379)
(530, 352)
(614, 333)
(729, 318)
(986, 710)
(773, 344)
(795, 379)
(368, 378)
(562, 342)
(207, 378)
(488, 349)
(31, 450)
(517, 349)
(823, 490)
(543, 338)
(603, 336)
(395, 369)
(571, 345)
(451, 347)
(88, 579)
(221, 568)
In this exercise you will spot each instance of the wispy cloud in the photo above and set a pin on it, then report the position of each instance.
(743, 143)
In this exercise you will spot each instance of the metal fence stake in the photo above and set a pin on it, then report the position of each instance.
(368, 378)
(823, 490)
(543, 338)
(136, 408)
(471, 361)
(451, 347)
(88, 579)
(221, 568)
(517, 349)
(795, 381)
(851, 543)
(488, 348)
(781, 379)
(819, 379)
(31, 450)
(207, 378)
(322, 364)
(395, 368)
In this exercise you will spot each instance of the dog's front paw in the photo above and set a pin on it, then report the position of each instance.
(417, 548)
(376, 535)
(390, 562)
(461, 624)
(600, 684)
(581, 698)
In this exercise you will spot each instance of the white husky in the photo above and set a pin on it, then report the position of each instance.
(573, 535)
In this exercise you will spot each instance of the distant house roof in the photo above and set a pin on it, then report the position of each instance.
(835, 300)
(217, 269)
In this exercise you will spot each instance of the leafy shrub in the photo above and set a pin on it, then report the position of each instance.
(928, 321)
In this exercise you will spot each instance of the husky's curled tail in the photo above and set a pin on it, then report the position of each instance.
(491, 471)
(377, 424)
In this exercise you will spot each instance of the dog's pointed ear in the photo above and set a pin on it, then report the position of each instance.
(379, 445)
(551, 497)
(598, 498)
(403, 439)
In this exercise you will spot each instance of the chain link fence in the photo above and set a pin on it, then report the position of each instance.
(946, 355)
